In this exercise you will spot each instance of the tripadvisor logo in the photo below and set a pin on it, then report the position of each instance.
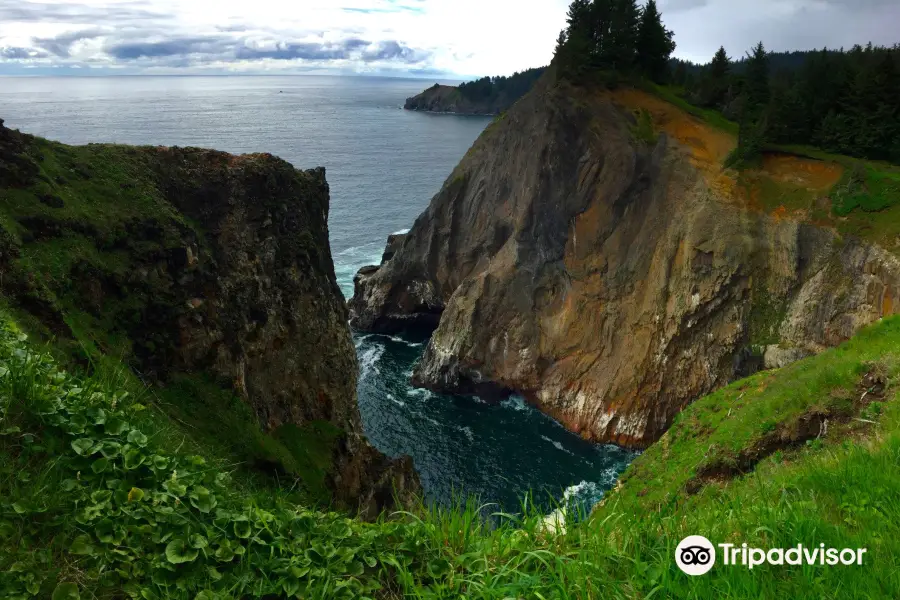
(696, 555)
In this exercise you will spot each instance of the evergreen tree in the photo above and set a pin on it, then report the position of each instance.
(654, 44)
(756, 86)
(752, 134)
(623, 32)
(578, 49)
(720, 67)
(716, 81)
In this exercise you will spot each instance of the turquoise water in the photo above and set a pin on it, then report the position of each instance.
(383, 165)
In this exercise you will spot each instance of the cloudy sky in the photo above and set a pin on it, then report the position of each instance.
(397, 37)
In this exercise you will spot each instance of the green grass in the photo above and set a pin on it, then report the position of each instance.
(643, 129)
(216, 419)
(100, 494)
(672, 96)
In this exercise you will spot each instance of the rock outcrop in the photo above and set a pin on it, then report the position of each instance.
(206, 263)
(448, 99)
(612, 281)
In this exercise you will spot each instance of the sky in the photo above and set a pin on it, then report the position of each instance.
(412, 38)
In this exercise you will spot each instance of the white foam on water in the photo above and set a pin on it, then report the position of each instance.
(556, 445)
(419, 392)
(515, 403)
(469, 433)
(395, 401)
(585, 489)
(368, 360)
(401, 232)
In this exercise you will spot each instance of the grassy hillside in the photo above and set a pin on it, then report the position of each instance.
(100, 495)
(853, 196)
(90, 248)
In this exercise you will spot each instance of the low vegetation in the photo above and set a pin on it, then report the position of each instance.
(102, 495)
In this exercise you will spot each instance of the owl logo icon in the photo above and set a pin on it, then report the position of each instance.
(695, 555)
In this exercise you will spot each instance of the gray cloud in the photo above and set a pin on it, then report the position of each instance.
(60, 44)
(701, 26)
(12, 53)
(225, 48)
(173, 47)
(32, 12)
(138, 35)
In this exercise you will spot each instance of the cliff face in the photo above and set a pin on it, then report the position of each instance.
(192, 261)
(448, 99)
(610, 280)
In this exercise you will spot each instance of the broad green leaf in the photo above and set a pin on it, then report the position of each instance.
(242, 529)
(98, 415)
(224, 553)
(198, 541)
(83, 446)
(116, 426)
(137, 438)
(160, 463)
(20, 508)
(66, 591)
(175, 487)
(82, 545)
(110, 449)
(105, 531)
(178, 551)
(202, 500)
(206, 595)
(134, 459)
(290, 585)
(101, 496)
(100, 465)
(136, 494)
(214, 573)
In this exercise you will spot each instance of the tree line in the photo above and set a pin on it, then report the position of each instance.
(844, 101)
(614, 37)
(488, 88)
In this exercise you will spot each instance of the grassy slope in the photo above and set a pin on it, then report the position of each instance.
(70, 512)
(864, 202)
(83, 202)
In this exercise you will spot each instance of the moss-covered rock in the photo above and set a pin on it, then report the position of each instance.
(190, 263)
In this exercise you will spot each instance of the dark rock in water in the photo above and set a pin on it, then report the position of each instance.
(228, 275)
(609, 279)
(394, 243)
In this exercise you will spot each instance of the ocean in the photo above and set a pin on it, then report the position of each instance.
(383, 166)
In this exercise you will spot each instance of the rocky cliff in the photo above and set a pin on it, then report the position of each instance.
(194, 262)
(448, 99)
(611, 276)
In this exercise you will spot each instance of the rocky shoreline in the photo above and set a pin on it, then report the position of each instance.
(610, 281)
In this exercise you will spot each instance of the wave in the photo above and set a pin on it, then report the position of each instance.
(556, 445)
(401, 232)
(398, 340)
(395, 401)
(421, 392)
(516, 403)
(368, 360)
(469, 433)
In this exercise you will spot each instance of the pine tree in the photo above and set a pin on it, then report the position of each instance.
(654, 44)
(716, 81)
(752, 134)
(756, 86)
(601, 39)
(576, 54)
(720, 67)
(624, 20)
